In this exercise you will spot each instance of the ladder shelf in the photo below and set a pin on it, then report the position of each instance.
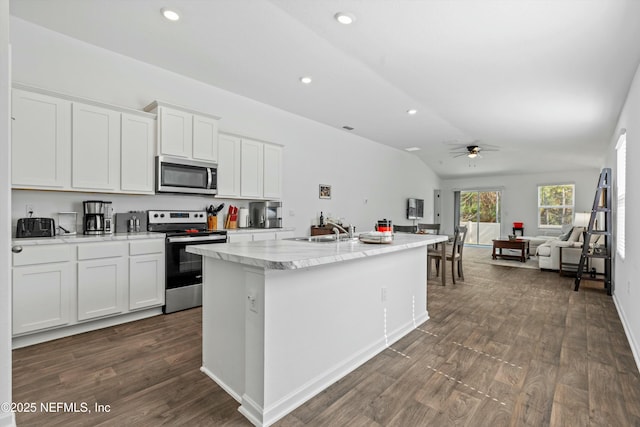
(601, 204)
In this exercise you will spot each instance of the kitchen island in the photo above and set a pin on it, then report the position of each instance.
(282, 320)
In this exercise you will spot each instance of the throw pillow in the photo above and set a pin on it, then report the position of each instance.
(565, 236)
(576, 234)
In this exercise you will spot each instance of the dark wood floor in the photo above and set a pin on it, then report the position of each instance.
(507, 347)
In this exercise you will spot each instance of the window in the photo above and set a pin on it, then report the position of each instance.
(555, 205)
(621, 179)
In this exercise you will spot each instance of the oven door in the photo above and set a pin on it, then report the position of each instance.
(183, 268)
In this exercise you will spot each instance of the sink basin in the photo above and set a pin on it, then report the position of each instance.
(327, 238)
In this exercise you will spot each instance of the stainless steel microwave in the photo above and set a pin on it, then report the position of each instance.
(177, 175)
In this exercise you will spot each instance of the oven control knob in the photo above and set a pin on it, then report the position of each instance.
(155, 215)
(161, 215)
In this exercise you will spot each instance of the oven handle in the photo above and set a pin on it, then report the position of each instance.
(218, 239)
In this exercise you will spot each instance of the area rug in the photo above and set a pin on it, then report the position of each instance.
(482, 255)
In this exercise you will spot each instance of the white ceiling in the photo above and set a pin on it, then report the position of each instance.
(543, 80)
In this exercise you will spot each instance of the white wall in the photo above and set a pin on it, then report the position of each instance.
(6, 418)
(520, 196)
(357, 169)
(626, 284)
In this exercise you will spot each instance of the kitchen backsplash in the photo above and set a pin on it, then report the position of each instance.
(49, 204)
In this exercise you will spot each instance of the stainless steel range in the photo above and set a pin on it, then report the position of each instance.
(183, 286)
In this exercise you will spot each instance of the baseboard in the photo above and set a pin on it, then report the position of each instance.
(221, 383)
(316, 385)
(79, 328)
(635, 349)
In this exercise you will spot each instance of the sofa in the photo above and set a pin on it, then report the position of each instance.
(548, 253)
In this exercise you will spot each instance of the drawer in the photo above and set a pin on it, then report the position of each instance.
(102, 250)
(31, 255)
(155, 246)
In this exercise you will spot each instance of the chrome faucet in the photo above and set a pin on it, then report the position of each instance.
(338, 229)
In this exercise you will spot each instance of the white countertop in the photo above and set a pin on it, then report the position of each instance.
(256, 230)
(82, 238)
(291, 255)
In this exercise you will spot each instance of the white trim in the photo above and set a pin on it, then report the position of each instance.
(635, 348)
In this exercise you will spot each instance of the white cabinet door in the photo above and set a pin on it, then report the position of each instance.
(41, 141)
(176, 132)
(137, 154)
(228, 166)
(205, 138)
(146, 281)
(272, 171)
(102, 284)
(234, 238)
(264, 236)
(41, 296)
(251, 169)
(95, 148)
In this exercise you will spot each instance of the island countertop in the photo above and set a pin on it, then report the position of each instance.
(292, 254)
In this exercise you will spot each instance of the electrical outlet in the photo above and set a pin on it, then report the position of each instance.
(30, 210)
(383, 294)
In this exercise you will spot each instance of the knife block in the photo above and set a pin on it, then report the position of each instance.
(230, 223)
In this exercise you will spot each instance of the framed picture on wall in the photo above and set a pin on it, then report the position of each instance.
(325, 191)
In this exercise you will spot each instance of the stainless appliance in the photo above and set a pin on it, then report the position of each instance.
(35, 227)
(93, 222)
(183, 270)
(265, 214)
(177, 175)
(131, 222)
(109, 225)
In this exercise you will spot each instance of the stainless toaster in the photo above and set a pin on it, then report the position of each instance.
(35, 227)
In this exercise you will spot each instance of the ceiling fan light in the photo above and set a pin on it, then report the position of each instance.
(472, 155)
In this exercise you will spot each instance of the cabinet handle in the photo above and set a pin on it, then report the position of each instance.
(16, 249)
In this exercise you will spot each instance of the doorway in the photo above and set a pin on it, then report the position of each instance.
(480, 211)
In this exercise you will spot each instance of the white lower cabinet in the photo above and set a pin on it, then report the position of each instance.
(69, 285)
(264, 236)
(102, 279)
(234, 238)
(146, 274)
(41, 296)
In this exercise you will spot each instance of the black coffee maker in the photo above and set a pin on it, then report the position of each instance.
(93, 216)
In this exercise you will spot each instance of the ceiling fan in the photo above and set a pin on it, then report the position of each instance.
(472, 150)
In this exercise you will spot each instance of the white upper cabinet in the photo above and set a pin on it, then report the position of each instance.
(175, 132)
(95, 145)
(65, 143)
(205, 138)
(248, 168)
(185, 133)
(41, 141)
(272, 171)
(228, 166)
(137, 153)
(252, 168)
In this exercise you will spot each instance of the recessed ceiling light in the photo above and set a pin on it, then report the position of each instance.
(306, 80)
(344, 18)
(171, 15)
(412, 112)
(412, 149)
